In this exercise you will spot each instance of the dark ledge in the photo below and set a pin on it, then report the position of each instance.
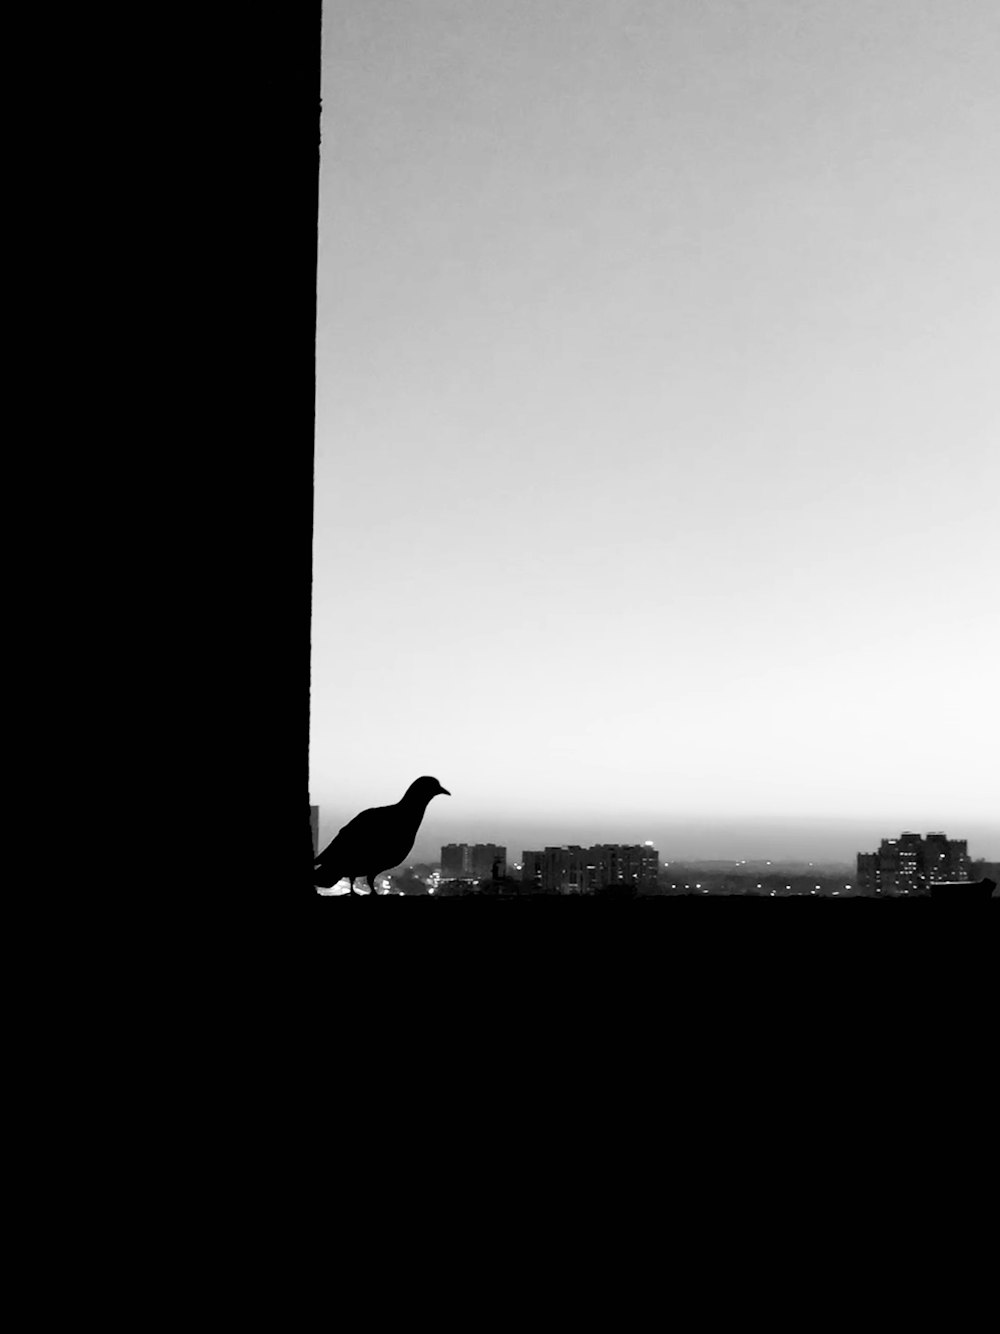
(963, 889)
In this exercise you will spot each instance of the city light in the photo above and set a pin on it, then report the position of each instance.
(572, 872)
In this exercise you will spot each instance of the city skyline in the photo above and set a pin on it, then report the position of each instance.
(827, 841)
(657, 418)
(911, 864)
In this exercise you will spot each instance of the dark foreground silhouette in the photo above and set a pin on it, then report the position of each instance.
(964, 889)
(377, 839)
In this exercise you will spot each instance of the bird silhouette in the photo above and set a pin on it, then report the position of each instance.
(377, 839)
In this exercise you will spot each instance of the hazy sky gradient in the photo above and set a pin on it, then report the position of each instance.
(658, 415)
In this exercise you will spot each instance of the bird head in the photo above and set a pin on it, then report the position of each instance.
(422, 789)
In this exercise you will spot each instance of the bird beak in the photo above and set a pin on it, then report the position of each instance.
(443, 792)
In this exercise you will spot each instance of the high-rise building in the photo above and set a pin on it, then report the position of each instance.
(594, 870)
(945, 859)
(473, 861)
(531, 872)
(911, 864)
(556, 870)
(626, 864)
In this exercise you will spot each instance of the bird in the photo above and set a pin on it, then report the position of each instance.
(377, 839)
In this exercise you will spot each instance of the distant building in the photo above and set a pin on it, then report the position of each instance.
(595, 870)
(531, 872)
(911, 864)
(473, 861)
(314, 823)
(566, 870)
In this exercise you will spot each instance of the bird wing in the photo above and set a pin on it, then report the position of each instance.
(355, 838)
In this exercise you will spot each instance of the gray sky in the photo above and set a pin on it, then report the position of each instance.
(658, 415)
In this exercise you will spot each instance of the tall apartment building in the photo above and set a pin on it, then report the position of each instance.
(473, 861)
(599, 869)
(911, 864)
(531, 872)
(623, 864)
